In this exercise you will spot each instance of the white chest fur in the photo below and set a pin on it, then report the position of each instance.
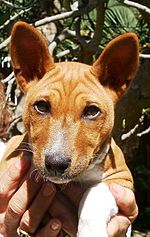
(96, 208)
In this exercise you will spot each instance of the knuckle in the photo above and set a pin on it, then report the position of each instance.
(114, 231)
(132, 199)
(123, 226)
(118, 226)
(26, 223)
(134, 214)
(2, 191)
(12, 175)
(14, 208)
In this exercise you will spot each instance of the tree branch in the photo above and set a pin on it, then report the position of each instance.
(57, 17)
(97, 37)
(60, 16)
(5, 43)
(137, 5)
(7, 79)
(144, 55)
(144, 132)
(64, 15)
(14, 6)
(65, 33)
(133, 130)
(89, 48)
(13, 18)
(65, 52)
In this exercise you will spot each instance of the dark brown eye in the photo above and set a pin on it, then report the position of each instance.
(42, 107)
(91, 112)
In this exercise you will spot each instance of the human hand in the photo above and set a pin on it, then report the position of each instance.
(25, 204)
(128, 210)
(118, 225)
(19, 207)
(126, 203)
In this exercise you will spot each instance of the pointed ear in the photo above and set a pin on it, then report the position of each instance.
(117, 64)
(29, 54)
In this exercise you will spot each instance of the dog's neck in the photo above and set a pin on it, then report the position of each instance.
(94, 174)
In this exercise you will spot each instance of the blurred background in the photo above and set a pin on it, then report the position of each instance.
(78, 31)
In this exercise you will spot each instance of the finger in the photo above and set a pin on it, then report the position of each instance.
(66, 213)
(52, 229)
(125, 200)
(11, 179)
(19, 203)
(118, 226)
(33, 216)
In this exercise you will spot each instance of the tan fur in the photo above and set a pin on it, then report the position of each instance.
(69, 87)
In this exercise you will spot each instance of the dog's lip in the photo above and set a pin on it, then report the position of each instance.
(58, 180)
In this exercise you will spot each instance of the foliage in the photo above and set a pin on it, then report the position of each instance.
(140, 167)
(120, 19)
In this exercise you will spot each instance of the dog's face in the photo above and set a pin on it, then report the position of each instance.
(68, 116)
(69, 109)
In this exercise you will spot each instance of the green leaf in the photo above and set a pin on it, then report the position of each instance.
(121, 18)
(112, 3)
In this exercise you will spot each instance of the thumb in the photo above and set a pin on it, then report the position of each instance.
(118, 226)
(125, 200)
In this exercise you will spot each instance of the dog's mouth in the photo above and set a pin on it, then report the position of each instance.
(69, 175)
(59, 167)
(56, 177)
(60, 170)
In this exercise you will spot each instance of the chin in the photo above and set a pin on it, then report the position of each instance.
(57, 180)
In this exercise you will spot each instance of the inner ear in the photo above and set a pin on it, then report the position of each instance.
(117, 64)
(29, 53)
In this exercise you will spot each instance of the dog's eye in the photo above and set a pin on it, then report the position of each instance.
(42, 107)
(91, 112)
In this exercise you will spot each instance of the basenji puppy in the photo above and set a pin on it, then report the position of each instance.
(69, 116)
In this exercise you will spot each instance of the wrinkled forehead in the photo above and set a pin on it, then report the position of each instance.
(69, 80)
(68, 75)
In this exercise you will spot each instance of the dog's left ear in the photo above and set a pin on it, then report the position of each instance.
(117, 65)
(29, 54)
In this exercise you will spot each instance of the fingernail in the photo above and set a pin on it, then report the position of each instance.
(48, 189)
(22, 163)
(55, 226)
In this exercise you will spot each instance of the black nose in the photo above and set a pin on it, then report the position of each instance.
(56, 162)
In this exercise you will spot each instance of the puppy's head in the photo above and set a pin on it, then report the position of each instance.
(69, 108)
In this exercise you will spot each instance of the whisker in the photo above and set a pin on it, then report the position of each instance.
(35, 174)
(38, 177)
(45, 179)
(80, 182)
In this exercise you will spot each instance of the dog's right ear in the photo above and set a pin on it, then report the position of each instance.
(29, 54)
